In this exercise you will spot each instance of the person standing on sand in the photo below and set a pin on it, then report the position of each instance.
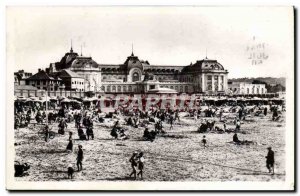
(79, 158)
(141, 161)
(204, 141)
(177, 115)
(270, 160)
(70, 144)
(195, 115)
(171, 121)
(133, 161)
(46, 133)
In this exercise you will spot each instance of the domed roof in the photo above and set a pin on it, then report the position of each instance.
(84, 62)
(66, 60)
(210, 64)
(133, 62)
(205, 64)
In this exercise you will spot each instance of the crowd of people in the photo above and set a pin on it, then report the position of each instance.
(162, 121)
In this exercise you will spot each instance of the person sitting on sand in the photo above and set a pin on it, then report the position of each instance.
(146, 133)
(70, 171)
(236, 139)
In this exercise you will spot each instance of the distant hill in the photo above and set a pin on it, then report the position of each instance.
(273, 85)
(268, 80)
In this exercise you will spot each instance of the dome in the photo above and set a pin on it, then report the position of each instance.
(84, 62)
(210, 64)
(133, 62)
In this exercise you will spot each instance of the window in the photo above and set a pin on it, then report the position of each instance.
(119, 88)
(135, 77)
(108, 88)
(216, 83)
(186, 88)
(124, 88)
(114, 88)
(130, 88)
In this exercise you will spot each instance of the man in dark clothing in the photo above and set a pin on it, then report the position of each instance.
(265, 111)
(79, 158)
(236, 139)
(270, 160)
(204, 141)
(171, 120)
(46, 133)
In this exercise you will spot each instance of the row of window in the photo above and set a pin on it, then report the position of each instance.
(257, 91)
(177, 88)
(252, 91)
(76, 82)
(124, 78)
(118, 89)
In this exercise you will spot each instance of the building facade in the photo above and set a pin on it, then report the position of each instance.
(246, 88)
(44, 81)
(21, 75)
(138, 76)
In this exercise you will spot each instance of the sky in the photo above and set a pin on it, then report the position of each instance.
(38, 36)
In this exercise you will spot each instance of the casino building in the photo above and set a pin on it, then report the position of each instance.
(137, 76)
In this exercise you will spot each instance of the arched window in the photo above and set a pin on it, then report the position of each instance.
(176, 88)
(248, 90)
(119, 88)
(114, 88)
(130, 88)
(181, 88)
(108, 88)
(124, 88)
(257, 90)
(171, 87)
(135, 77)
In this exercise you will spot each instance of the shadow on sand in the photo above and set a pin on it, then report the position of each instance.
(127, 178)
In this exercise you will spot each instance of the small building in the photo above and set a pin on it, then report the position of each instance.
(72, 81)
(246, 88)
(44, 81)
(21, 75)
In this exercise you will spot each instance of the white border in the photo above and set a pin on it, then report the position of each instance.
(140, 185)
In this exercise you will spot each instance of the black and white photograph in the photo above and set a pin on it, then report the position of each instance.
(150, 98)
